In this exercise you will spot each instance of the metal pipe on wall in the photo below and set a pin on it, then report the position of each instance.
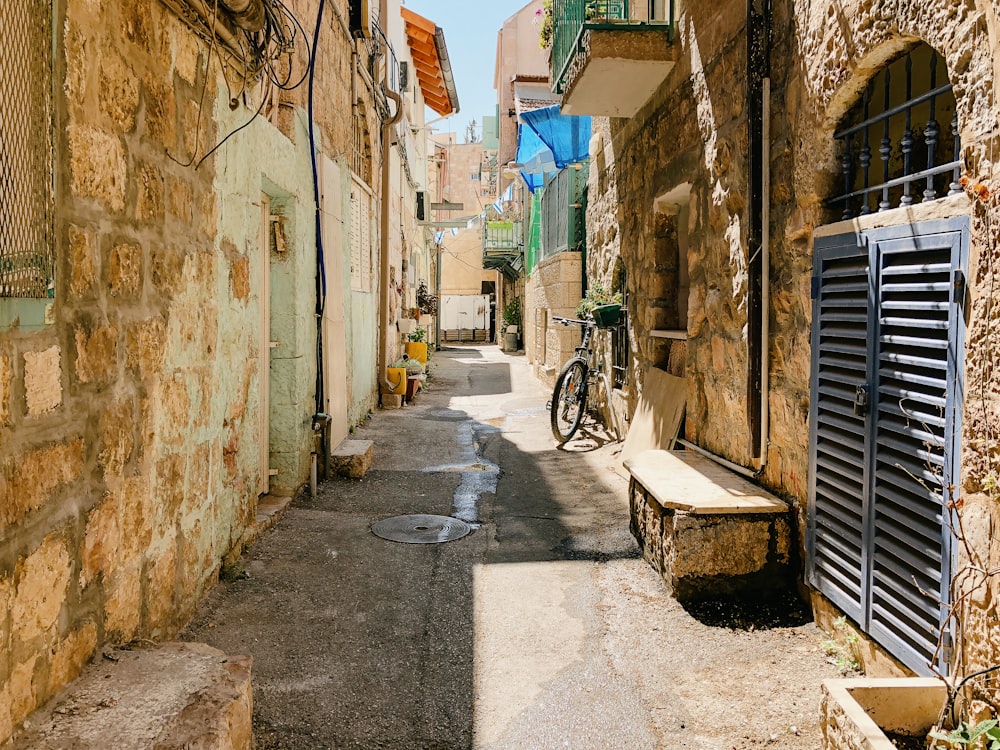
(717, 459)
(758, 71)
(383, 277)
(765, 286)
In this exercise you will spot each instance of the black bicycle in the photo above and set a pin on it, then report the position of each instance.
(576, 382)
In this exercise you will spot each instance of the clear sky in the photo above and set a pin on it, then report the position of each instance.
(470, 31)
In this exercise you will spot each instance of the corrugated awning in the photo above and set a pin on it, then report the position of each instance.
(532, 96)
(430, 58)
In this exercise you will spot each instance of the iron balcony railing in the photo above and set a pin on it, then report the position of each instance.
(571, 18)
(501, 237)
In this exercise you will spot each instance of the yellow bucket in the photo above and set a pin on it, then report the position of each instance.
(397, 379)
(417, 350)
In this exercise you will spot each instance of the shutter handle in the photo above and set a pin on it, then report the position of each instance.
(861, 401)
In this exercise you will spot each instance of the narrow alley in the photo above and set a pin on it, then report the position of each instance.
(543, 628)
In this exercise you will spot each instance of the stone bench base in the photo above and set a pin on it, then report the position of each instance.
(173, 696)
(705, 530)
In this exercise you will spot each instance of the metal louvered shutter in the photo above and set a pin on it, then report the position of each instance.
(879, 538)
(838, 440)
(917, 396)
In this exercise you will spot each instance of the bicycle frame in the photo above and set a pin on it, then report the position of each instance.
(594, 371)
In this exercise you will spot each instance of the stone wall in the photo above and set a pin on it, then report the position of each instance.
(554, 288)
(129, 424)
(693, 132)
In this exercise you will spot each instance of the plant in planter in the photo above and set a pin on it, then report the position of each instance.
(544, 17)
(427, 302)
(597, 295)
(416, 346)
(985, 734)
(511, 315)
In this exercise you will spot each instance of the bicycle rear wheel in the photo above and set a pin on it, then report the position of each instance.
(569, 399)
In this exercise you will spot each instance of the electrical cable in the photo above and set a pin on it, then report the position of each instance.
(201, 100)
(320, 262)
(217, 146)
(260, 51)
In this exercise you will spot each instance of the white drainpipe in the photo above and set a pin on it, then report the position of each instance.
(385, 386)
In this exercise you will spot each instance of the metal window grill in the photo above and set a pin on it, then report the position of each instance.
(918, 164)
(621, 352)
(27, 256)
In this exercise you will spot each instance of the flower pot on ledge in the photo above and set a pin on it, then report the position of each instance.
(397, 379)
(862, 713)
(417, 350)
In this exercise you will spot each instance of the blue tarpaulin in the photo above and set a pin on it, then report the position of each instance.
(548, 141)
(566, 136)
(535, 158)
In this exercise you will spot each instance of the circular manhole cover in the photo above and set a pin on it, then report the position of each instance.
(420, 529)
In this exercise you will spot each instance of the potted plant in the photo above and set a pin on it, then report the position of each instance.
(601, 303)
(427, 303)
(416, 347)
(511, 320)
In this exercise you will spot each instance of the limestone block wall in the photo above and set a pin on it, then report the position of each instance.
(840, 46)
(129, 423)
(555, 287)
(693, 130)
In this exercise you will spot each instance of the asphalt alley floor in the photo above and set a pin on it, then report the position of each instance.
(543, 628)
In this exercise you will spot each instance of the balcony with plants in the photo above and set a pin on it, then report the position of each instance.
(607, 56)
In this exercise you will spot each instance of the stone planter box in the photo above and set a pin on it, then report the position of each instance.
(857, 714)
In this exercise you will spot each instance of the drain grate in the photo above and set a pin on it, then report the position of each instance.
(421, 529)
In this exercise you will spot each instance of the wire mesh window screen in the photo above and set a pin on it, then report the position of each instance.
(27, 256)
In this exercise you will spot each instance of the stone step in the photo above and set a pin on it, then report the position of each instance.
(353, 458)
(170, 696)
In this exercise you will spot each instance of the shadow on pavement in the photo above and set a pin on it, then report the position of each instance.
(359, 642)
(785, 611)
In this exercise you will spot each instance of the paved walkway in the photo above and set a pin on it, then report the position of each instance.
(541, 629)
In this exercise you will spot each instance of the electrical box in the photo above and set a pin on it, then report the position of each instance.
(360, 18)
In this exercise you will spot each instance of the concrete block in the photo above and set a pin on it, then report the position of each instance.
(353, 458)
(858, 713)
(172, 696)
(392, 401)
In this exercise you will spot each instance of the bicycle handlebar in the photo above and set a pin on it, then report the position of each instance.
(568, 321)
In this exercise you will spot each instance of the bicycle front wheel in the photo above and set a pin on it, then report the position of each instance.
(569, 399)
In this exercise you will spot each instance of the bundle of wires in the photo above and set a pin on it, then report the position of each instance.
(266, 49)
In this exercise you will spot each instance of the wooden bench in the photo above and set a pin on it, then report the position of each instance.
(707, 531)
